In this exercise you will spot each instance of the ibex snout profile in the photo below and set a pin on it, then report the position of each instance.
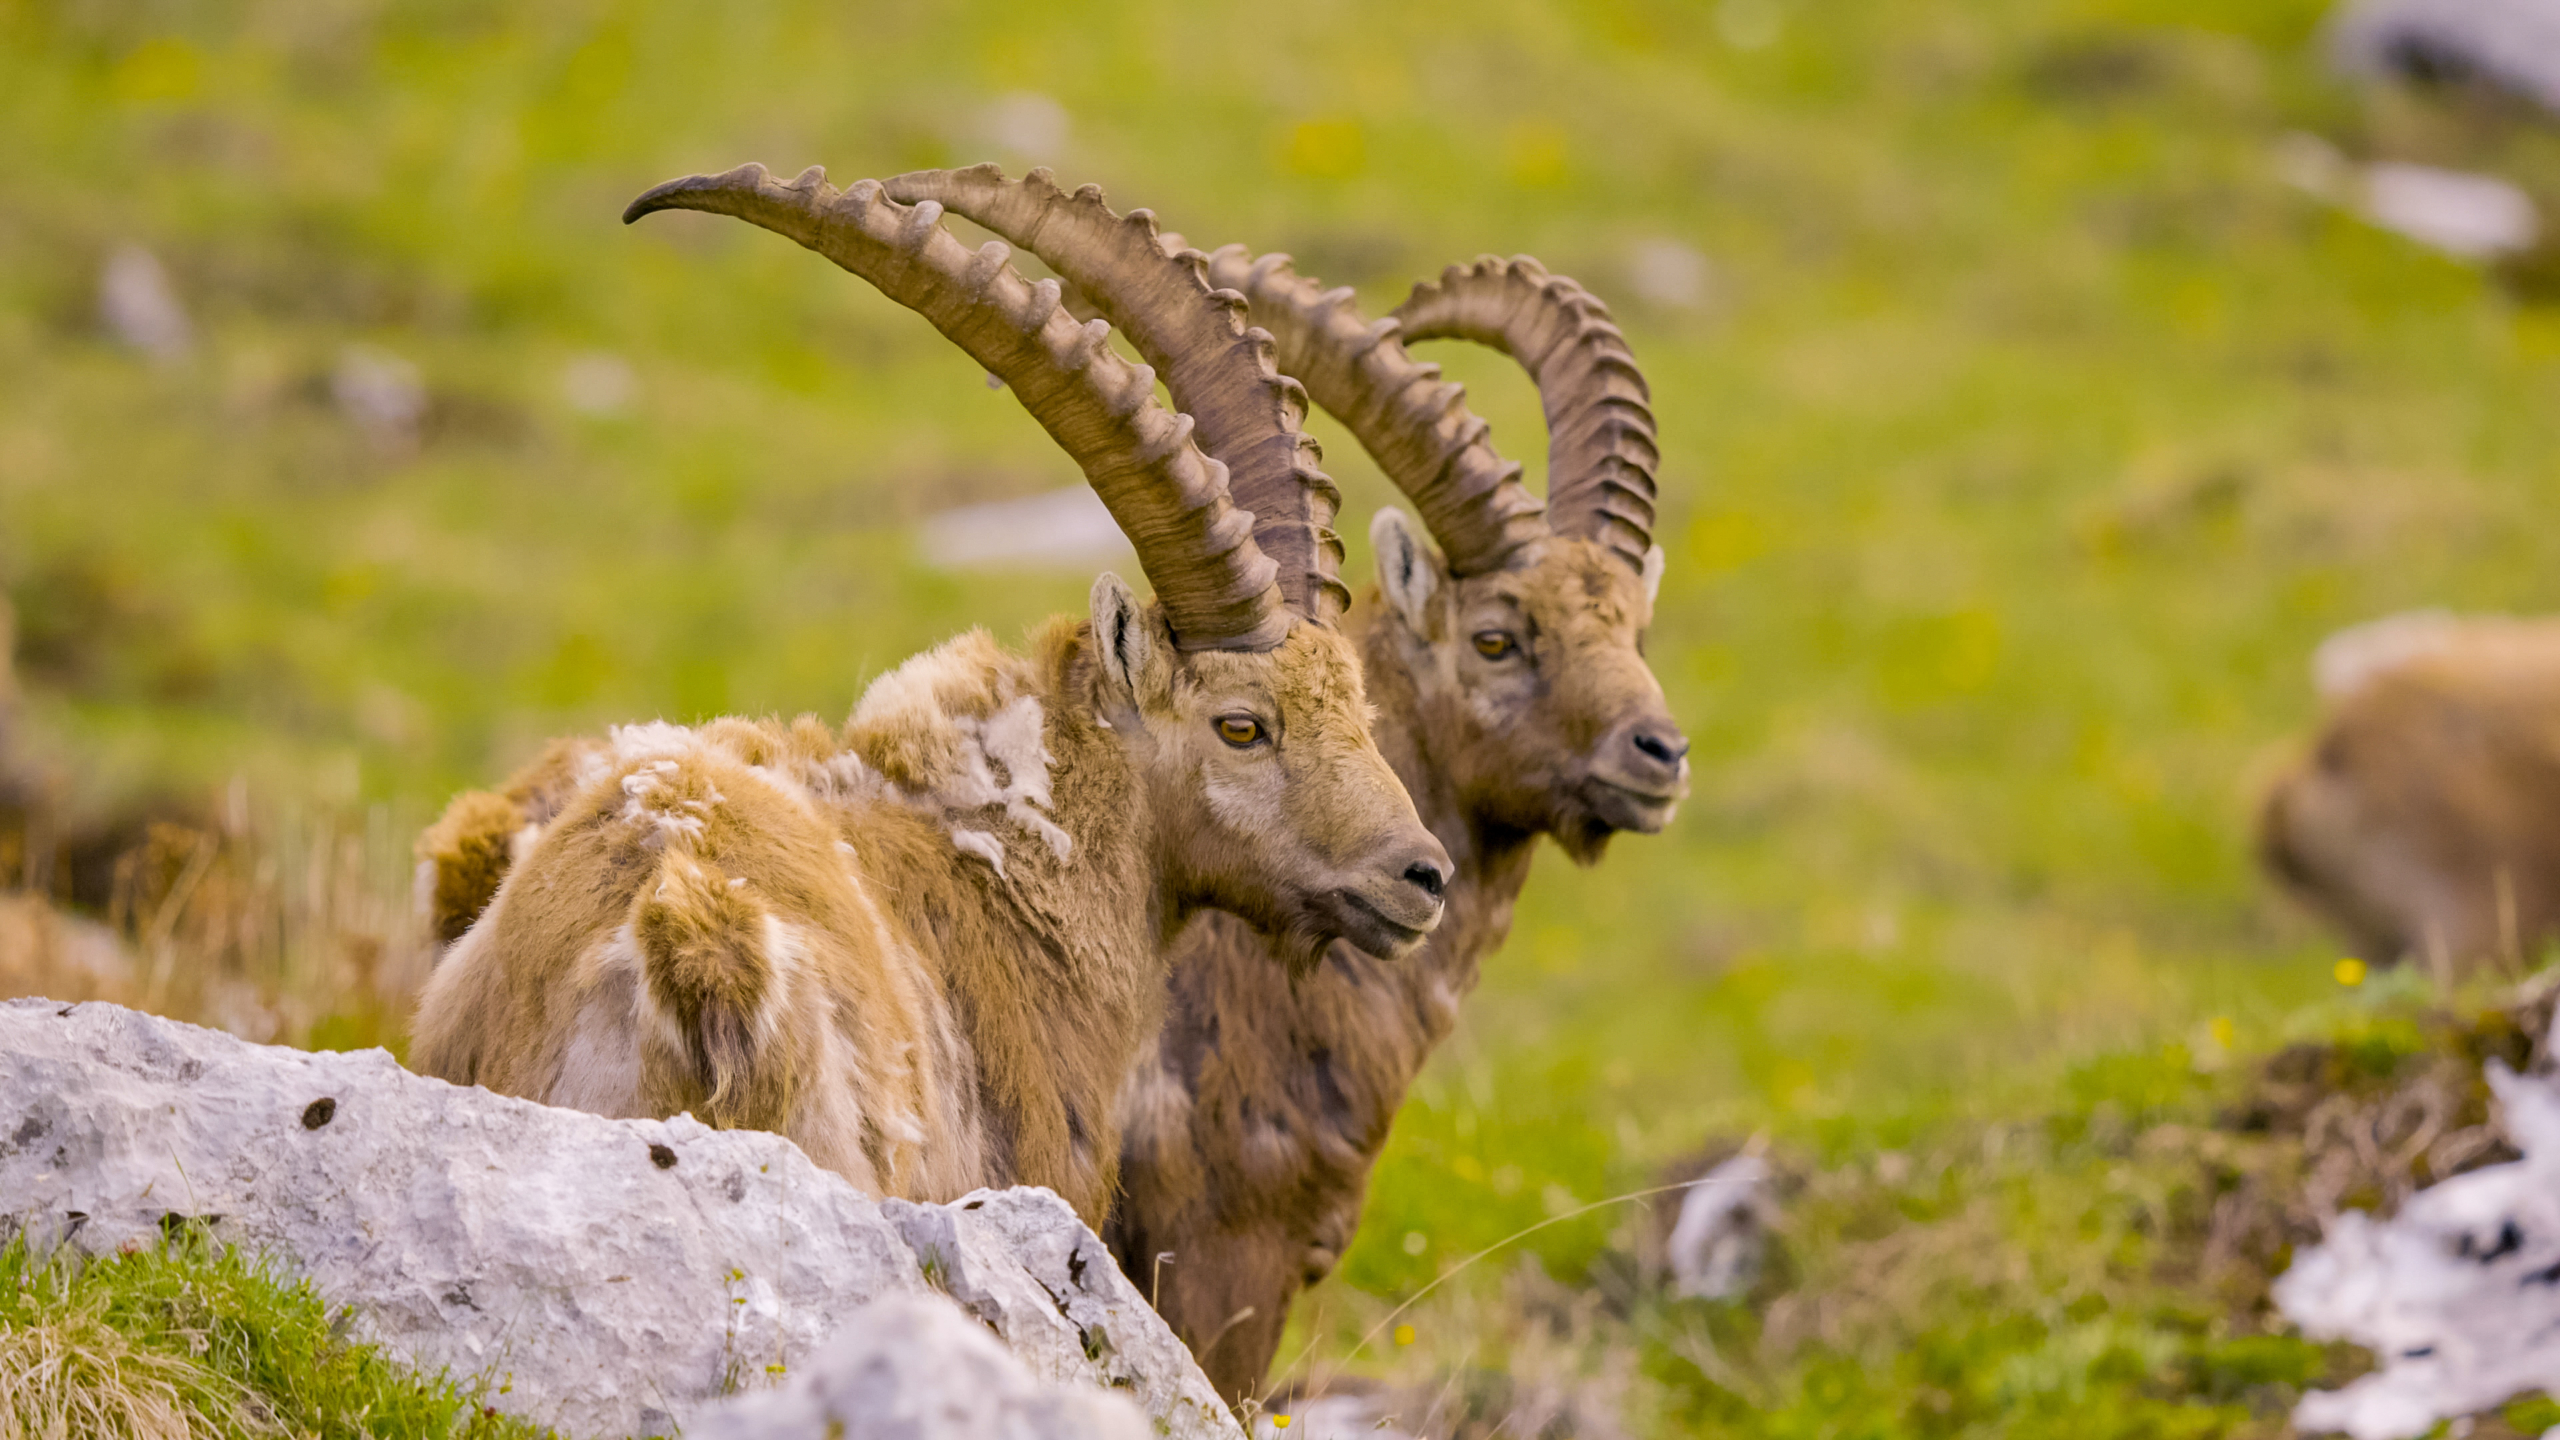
(1273, 807)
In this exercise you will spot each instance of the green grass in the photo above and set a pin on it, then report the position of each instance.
(187, 1339)
(2094, 1264)
(2031, 432)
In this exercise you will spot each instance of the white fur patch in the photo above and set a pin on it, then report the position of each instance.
(422, 889)
(652, 800)
(1012, 738)
(600, 1062)
(981, 844)
(1237, 805)
(590, 768)
(621, 952)
(932, 693)
(651, 740)
(840, 778)
(2351, 658)
(786, 949)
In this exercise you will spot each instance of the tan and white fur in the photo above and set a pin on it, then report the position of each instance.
(928, 944)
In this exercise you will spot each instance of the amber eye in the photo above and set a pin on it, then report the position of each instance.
(1495, 644)
(1239, 730)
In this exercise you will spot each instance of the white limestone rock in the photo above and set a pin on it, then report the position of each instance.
(2458, 1296)
(1720, 1244)
(2514, 44)
(1023, 1263)
(607, 1277)
(912, 1367)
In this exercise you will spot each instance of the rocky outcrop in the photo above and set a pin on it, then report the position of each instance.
(608, 1277)
(2458, 1296)
(913, 1367)
(2514, 44)
(1720, 1244)
(1003, 1254)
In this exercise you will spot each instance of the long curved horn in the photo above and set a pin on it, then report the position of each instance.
(1218, 369)
(1601, 449)
(1216, 587)
(1416, 425)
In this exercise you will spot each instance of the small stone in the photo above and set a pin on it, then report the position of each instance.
(2457, 1296)
(915, 1368)
(2512, 44)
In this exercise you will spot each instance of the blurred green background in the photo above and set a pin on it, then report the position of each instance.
(2023, 430)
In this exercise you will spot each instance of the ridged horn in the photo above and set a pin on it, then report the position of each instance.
(1601, 448)
(1413, 423)
(1218, 368)
(1217, 588)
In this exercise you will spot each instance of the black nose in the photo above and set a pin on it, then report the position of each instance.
(1662, 743)
(1427, 876)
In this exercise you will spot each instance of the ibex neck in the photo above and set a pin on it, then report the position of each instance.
(1492, 859)
(1047, 945)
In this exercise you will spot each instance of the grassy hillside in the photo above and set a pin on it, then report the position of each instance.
(2023, 430)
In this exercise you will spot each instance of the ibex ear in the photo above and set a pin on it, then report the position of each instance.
(1653, 563)
(1408, 573)
(1126, 645)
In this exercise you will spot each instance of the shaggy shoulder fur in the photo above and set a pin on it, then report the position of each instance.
(765, 925)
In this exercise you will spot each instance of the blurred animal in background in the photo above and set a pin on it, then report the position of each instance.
(928, 946)
(1513, 700)
(2424, 819)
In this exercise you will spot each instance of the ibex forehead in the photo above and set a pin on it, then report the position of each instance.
(1574, 577)
(1313, 672)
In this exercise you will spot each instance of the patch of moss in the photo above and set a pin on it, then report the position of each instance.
(204, 1341)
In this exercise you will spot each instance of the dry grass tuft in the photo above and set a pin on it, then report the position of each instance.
(292, 928)
(73, 1376)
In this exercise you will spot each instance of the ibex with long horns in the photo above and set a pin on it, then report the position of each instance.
(928, 946)
(1514, 701)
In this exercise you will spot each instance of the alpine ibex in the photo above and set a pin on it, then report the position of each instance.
(928, 946)
(1514, 701)
(2422, 819)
